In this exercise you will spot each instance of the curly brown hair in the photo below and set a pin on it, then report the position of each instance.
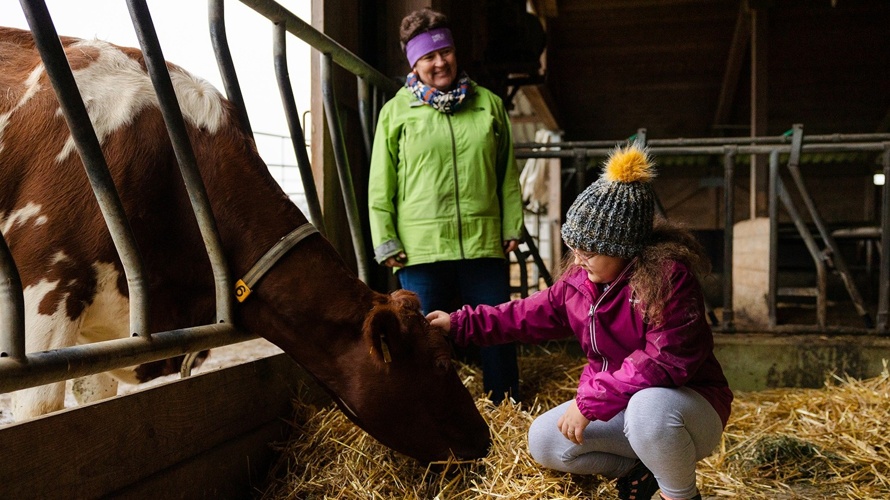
(420, 21)
(650, 277)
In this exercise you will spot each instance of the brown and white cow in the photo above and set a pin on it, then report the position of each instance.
(309, 304)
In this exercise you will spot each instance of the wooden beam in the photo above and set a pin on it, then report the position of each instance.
(759, 108)
(884, 125)
(539, 98)
(219, 423)
(734, 61)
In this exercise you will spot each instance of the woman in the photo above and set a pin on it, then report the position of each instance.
(444, 199)
(653, 399)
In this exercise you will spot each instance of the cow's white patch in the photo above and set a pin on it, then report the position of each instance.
(115, 89)
(31, 212)
(47, 331)
(108, 317)
(32, 85)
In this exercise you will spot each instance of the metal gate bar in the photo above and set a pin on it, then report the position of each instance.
(729, 156)
(884, 276)
(731, 148)
(33, 369)
(837, 259)
(59, 72)
(292, 115)
(777, 192)
(185, 155)
(12, 308)
(343, 170)
(220, 41)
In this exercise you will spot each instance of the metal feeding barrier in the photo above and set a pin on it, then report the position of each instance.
(577, 154)
(19, 369)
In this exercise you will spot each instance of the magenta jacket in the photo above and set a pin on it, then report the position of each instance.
(624, 353)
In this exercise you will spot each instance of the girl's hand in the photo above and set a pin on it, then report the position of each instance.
(440, 320)
(572, 424)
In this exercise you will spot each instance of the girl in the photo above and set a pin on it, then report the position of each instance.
(653, 399)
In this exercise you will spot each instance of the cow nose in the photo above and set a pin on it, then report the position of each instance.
(476, 451)
(473, 445)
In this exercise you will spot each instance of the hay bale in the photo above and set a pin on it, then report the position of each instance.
(784, 443)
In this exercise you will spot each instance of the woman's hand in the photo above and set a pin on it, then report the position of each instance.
(396, 260)
(572, 423)
(510, 245)
(440, 320)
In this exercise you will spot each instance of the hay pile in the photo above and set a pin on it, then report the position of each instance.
(818, 443)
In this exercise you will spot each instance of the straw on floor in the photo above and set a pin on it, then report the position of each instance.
(784, 443)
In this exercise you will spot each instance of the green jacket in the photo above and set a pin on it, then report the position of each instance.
(443, 187)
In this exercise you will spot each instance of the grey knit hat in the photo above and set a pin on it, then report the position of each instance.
(613, 216)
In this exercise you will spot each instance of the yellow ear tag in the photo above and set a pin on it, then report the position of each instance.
(387, 358)
(241, 291)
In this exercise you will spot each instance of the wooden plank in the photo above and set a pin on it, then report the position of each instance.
(740, 38)
(93, 450)
(539, 98)
(235, 469)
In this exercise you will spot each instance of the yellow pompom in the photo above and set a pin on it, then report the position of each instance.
(629, 164)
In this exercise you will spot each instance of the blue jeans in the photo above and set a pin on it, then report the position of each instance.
(448, 285)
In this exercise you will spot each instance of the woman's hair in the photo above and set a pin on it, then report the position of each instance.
(420, 21)
(650, 278)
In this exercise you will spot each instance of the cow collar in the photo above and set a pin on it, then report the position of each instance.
(244, 286)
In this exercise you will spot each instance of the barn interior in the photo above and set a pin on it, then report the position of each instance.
(590, 75)
(595, 74)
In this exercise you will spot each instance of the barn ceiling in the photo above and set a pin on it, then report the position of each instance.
(682, 68)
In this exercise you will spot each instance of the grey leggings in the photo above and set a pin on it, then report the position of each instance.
(669, 429)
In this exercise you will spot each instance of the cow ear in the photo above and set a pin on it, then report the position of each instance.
(381, 332)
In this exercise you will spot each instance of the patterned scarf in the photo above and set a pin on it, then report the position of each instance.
(444, 102)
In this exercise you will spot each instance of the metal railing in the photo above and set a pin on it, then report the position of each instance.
(19, 369)
(372, 84)
(578, 154)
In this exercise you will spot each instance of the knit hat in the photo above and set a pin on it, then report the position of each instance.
(613, 216)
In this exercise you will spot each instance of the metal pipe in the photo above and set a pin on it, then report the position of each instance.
(12, 308)
(818, 256)
(364, 113)
(292, 115)
(536, 257)
(77, 361)
(324, 44)
(552, 150)
(782, 139)
(220, 42)
(579, 162)
(884, 276)
(773, 213)
(523, 273)
(778, 192)
(343, 170)
(73, 109)
(728, 235)
(837, 258)
(160, 77)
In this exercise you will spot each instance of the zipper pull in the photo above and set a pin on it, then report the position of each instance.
(590, 314)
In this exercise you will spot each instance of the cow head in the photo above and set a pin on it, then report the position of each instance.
(405, 390)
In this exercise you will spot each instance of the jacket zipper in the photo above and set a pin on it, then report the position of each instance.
(590, 314)
(593, 332)
(460, 235)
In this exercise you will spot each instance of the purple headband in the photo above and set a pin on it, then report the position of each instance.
(427, 42)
